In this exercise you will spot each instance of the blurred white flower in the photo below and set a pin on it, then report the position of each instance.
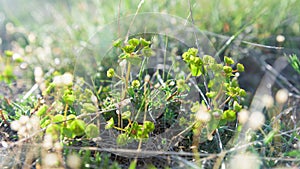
(38, 74)
(147, 78)
(203, 115)
(245, 161)
(48, 142)
(51, 160)
(256, 120)
(15, 125)
(157, 85)
(94, 99)
(280, 38)
(57, 80)
(23, 120)
(268, 101)
(282, 96)
(67, 78)
(243, 116)
(73, 161)
(35, 122)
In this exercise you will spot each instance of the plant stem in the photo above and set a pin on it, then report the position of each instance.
(65, 114)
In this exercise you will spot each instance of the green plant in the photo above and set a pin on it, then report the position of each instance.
(220, 80)
(294, 62)
(9, 62)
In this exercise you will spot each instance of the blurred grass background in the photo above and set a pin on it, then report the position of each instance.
(77, 20)
(48, 31)
(50, 34)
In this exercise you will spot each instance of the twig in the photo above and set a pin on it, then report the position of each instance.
(3, 118)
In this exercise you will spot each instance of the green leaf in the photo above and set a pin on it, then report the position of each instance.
(42, 110)
(195, 70)
(89, 107)
(67, 132)
(295, 62)
(240, 67)
(134, 60)
(45, 122)
(110, 73)
(144, 42)
(133, 42)
(236, 106)
(110, 123)
(68, 97)
(228, 60)
(227, 69)
(8, 53)
(133, 164)
(147, 51)
(53, 130)
(92, 131)
(122, 139)
(70, 119)
(211, 94)
(8, 74)
(242, 93)
(128, 49)
(77, 127)
(193, 51)
(117, 43)
(58, 118)
(149, 126)
(49, 89)
(229, 115)
(293, 153)
(126, 115)
(269, 137)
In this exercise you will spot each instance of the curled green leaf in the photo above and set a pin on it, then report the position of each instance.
(110, 124)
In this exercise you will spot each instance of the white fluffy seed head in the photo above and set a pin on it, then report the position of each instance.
(51, 160)
(67, 78)
(282, 96)
(268, 101)
(15, 125)
(23, 120)
(203, 115)
(245, 161)
(58, 146)
(256, 120)
(23, 132)
(73, 161)
(243, 116)
(147, 78)
(57, 80)
(48, 142)
(157, 85)
(172, 83)
(35, 122)
(28, 126)
(280, 38)
(94, 99)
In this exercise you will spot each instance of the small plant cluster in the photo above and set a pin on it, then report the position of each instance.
(137, 91)
(64, 121)
(8, 61)
(59, 118)
(222, 87)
